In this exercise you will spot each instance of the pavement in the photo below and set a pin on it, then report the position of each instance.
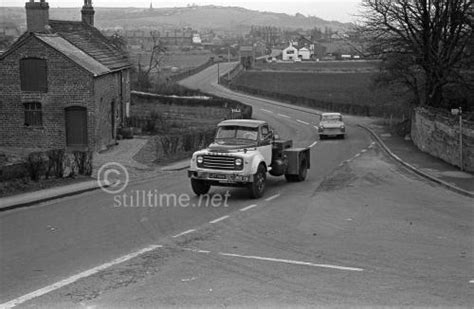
(397, 147)
(404, 151)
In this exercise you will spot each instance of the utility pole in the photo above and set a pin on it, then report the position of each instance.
(458, 112)
(460, 139)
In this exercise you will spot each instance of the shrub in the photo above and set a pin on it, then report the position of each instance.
(83, 162)
(55, 163)
(36, 165)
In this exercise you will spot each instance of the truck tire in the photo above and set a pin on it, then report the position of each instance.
(200, 187)
(302, 172)
(257, 187)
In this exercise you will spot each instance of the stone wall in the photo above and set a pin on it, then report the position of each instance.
(437, 133)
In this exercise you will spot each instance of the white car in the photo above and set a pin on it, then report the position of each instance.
(331, 124)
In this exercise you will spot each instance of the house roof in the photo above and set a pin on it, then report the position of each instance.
(82, 43)
(90, 40)
(73, 53)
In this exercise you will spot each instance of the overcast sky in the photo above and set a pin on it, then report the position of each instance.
(340, 10)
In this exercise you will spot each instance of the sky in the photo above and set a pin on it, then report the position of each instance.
(340, 10)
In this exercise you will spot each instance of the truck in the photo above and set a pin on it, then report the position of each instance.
(243, 152)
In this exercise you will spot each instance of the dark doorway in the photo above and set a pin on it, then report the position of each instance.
(112, 115)
(76, 127)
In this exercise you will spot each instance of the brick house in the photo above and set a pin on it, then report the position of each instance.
(63, 85)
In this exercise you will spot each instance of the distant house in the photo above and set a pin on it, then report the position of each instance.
(63, 85)
(196, 38)
(304, 54)
(290, 53)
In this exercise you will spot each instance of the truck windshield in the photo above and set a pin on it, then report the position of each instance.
(332, 118)
(236, 132)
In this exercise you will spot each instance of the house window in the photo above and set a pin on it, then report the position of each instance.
(33, 75)
(33, 114)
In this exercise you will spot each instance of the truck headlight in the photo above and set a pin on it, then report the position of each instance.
(200, 159)
(239, 162)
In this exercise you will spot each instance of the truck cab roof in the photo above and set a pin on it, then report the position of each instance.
(242, 123)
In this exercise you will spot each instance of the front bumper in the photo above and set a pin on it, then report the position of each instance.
(332, 131)
(220, 177)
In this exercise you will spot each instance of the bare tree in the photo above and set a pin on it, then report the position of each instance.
(425, 44)
(157, 55)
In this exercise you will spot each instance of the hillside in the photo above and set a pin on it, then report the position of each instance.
(232, 19)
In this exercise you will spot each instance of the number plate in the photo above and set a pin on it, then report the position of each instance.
(218, 176)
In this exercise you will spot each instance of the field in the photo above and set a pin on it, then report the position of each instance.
(341, 88)
(181, 60)
(360, 66)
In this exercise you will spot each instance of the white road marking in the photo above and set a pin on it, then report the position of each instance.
(284, 116)
(218, 220)
(303, 122)
(472, 281)
(266, 111)
(184, 233)
(364, 151)
(249, 207)
(291, 262)
(357, 155)
(271, 198)
(196, 250)
(313, 144)
(317, 128)
(68, 281)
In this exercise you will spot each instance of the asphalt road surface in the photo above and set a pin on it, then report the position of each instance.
(361, 231)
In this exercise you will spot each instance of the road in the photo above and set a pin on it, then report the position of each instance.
(361, 231)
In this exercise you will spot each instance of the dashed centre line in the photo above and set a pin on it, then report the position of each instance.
(303, 122)
(284, 116)
(249, 207)
(266, 111)
(271, 198)
(291, 262)
(184, 233)
(219, 219)
(55, 286)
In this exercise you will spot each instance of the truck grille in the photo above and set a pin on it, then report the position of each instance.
(219, 163)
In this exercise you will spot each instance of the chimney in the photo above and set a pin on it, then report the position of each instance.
(88, 13)
(37, 16)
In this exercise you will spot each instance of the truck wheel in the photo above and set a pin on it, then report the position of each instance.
(302, 173)
(200, 187)
(258, 185)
